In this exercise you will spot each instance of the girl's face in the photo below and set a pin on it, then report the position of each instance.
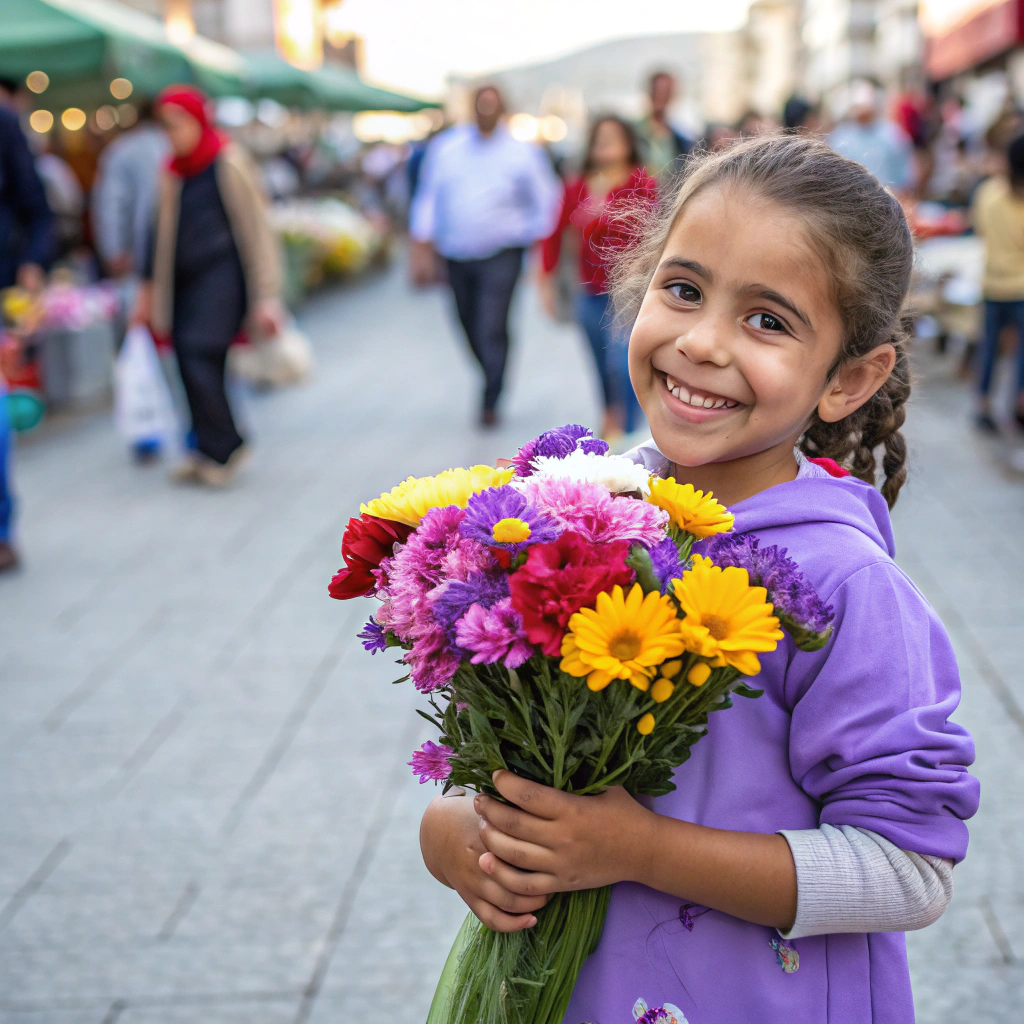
(736, 334)
(611, 147)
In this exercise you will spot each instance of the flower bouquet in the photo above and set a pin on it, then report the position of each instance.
(563, 627)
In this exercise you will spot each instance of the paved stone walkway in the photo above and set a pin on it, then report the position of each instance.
(206, 812)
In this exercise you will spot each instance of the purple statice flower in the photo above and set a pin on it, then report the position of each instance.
(374, 636)
(494, 634)
(667, 1014)
(450, 602)
(597, 516)
(557, 444)
(796, 602)
(431, 762)
(499, 509)
(665, 562)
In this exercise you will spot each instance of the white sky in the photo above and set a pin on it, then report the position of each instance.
(415, 44)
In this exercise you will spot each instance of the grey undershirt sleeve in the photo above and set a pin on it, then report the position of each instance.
(853, 880)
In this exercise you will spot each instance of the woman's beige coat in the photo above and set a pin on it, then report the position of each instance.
(245, 206)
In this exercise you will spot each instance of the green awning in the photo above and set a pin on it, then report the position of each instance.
(327, 88)
(83, 44)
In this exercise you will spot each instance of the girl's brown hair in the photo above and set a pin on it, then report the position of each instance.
(858, 229)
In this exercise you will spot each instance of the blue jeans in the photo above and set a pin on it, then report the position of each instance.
(997, 316)
(6, 500)
(610, 346)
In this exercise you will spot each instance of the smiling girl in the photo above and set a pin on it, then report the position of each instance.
(812, 827)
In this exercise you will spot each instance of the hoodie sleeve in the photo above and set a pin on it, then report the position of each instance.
(871, 738)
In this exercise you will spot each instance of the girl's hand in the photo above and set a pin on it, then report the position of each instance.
(452, 850)
(552, 841)
(269, 317)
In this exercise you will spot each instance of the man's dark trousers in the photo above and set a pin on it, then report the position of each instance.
(483, 293)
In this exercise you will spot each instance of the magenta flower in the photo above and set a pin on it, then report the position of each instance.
(595, 515)
(494, 634)
(431, 762)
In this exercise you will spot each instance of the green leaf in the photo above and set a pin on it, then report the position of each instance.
(639, 560)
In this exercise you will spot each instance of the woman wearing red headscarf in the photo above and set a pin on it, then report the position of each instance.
(213, 269)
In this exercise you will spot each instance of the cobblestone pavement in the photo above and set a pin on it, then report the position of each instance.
(206, 812)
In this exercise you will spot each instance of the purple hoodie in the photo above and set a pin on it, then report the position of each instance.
(856, 734)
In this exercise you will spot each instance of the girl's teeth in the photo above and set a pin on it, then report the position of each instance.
(697, 401)
(719, 403)
(709, 403)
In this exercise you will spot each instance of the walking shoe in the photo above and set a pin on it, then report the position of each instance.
(213, 474)
(186, 471)
(8, 557)
(488, 419)
(985, 423)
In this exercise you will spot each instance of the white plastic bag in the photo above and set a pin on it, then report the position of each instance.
(143, 408)
(284, 359)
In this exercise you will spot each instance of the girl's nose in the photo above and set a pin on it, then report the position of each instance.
(706, 341)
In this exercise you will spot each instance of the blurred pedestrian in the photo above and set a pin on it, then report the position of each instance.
(26, 224)
(998, 214)
(482, 198)
(663, 145)
(213, 268)
(873, 140)
(800, 115)
(612, 183)
(124, 194)
(26, 243)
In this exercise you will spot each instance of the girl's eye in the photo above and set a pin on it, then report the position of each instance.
(684, 291)
(766, 322)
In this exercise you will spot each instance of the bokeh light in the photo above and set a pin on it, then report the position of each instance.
(37, 81)
(106, 118)
(121, 88)
(41, 121)
(524, 127)
(127, 115)
(73, 119)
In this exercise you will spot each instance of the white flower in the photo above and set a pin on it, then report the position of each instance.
(619, 474)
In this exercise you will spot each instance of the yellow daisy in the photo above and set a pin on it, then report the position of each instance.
(623, 637)
(727, 619)
(693, 511)
(410, 501)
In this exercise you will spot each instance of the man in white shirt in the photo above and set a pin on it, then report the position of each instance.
(482, 198)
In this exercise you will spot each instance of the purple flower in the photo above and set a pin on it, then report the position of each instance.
(503, 517)
(557, 444)
(449, 602)
(796, 602)
(665, 562)
(374, 636)
(494, 634)
(431, 762)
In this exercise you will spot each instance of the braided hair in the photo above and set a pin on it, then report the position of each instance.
(858, 229)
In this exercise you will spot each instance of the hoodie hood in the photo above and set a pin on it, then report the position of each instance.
(814, 497)
(808, 499)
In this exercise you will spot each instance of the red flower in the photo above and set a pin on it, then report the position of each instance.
(560, 578)
(367, 541)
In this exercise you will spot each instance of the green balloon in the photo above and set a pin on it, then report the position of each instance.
(24, 409)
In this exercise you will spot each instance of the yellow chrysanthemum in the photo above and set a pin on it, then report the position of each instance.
(413, 498)
(694, 511)
(623, 637)
(727, 619)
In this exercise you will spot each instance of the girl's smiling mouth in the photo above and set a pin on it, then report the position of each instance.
(693, 404)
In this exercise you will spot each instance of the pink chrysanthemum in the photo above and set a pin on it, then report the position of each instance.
(431, 762)
(595, 515)
(434, 554)
(494, 634)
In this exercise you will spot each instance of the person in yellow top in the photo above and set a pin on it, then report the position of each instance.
(998, 216)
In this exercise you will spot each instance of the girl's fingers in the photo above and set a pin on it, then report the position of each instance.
(511, 820)
(517, 852)
(497, 920)
(543, 801)
(525, 885)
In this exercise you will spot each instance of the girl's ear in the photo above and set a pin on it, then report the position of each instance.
(856, 382)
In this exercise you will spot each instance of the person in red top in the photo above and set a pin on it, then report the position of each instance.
(611, 182)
